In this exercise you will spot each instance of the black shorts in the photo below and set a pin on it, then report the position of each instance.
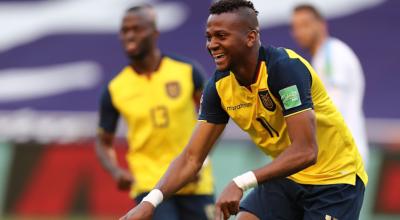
(285, 199)
(183, 207)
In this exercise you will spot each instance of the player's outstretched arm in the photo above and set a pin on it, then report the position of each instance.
(108, 159)
(181, 171)
(301, 154)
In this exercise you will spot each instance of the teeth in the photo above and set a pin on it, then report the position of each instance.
(219, 56)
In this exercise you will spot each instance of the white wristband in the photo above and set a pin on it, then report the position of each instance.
(246, 181)
(155, 197)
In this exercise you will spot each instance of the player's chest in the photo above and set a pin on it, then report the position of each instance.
(146, 95)
(257, 112)
(246, 106)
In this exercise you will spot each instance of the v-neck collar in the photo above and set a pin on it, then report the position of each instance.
(257, 75)
(156, 71)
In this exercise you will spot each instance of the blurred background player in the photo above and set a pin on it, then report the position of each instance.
(337, 66)
(157, 95)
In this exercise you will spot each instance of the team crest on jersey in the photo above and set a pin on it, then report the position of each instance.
(173, 89)
(266, 100)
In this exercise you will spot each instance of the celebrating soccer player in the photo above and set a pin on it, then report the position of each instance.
(277, 98)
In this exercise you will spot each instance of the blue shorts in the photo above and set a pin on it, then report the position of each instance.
(183, 207)
(285, 199)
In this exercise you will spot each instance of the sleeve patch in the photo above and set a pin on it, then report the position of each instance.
(290, 97)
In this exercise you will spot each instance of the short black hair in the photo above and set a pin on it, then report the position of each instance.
(309, 8)
(139, 7)
(145, 6)
(224, 6)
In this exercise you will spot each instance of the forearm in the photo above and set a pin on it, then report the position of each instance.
(180, 172)
(186, 166)
(287, 163)
(302, 152)
(107, 157)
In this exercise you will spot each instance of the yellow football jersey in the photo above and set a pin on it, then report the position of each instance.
(286, 84)
(161, 114)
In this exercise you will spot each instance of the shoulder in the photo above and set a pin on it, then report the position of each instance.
(340, 48)
(106, 97)
(211, 86)
(344, 60)
(196, 70)
(214, 79)
(218, 75)
(119, 77)
(274, 55)
(287, 68)
(338, 44)
(282, 61)
(210, 107)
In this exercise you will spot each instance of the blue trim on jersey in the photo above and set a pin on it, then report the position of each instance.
(210, 106)
(109, 115)
(284, 72)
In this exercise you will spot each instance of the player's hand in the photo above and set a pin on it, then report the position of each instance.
(228, 202)
(143, 211)
(124, 179)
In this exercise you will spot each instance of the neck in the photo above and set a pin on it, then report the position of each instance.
(245, 72)
(319, 42)
(147, 64)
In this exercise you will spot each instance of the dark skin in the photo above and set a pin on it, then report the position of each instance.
(107, 156)
(139, 36)
(231, 35)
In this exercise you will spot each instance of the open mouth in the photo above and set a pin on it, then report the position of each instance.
(131, 46)
(219, 57)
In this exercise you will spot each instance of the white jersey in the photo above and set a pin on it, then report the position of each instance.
(342, 74)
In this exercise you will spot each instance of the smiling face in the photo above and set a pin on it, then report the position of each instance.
(138, 33)
(228, 39)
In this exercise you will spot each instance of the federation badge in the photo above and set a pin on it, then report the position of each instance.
(266, 100)
(173, 89)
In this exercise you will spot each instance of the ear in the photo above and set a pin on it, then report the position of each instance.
(252, 38)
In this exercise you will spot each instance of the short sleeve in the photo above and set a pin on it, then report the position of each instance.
(198, 74)
(210, 106)
(290, 81)
(109, 115)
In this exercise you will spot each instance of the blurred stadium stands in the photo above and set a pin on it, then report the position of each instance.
(55, 57)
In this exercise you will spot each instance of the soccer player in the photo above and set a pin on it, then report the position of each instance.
(337, 66)
(277, 98)
(156, 95)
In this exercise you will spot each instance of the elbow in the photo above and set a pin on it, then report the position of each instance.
(192, 161)
(312, 155)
